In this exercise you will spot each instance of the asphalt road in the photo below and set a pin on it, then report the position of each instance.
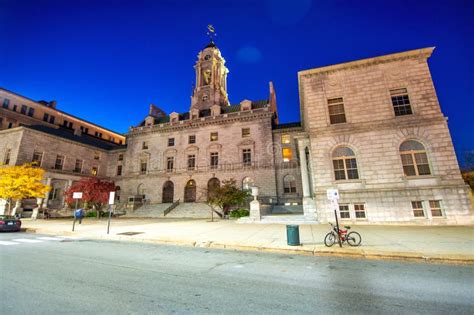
(51, 275)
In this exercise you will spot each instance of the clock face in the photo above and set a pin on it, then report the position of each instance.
(207, 57)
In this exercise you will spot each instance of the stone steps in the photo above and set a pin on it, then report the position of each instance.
(195, 210)
(287, 209)
(149, 211)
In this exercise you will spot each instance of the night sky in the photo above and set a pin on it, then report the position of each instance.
(106, 61)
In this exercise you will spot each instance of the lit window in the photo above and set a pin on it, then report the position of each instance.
(435, 207)
(120, 157)
(344, 212)
(359, 210)
(214, 160)
(214, 136)
(247, 157)
(192, 139)
(171, 142)
(417, 207)
(245, 132)
(94, 171)
(336, 111)
(287, 154)
(401, 102)
(345, 164)
(414, 159)
(285, 139)
(289, 184)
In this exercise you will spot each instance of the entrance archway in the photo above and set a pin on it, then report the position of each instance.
(168, 192)
(212, 185)
(190, 191)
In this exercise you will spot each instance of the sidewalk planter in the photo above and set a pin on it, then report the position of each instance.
(293, 235)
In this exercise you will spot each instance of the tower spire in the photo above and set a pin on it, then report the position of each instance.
(211, 32)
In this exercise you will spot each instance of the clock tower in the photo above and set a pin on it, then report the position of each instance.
(211, 79)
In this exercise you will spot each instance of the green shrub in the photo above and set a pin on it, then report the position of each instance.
(238, 213)
(91, 214)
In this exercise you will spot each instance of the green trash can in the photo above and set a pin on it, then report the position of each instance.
(293, 235)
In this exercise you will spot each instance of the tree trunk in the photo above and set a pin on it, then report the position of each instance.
(17, 206)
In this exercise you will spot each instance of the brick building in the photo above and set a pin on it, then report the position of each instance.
(371, 128)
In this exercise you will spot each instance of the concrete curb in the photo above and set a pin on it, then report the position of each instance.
(357, 253)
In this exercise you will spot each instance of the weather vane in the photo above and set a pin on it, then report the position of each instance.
(211, 32)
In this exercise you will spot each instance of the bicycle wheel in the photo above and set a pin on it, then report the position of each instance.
(353, 239)
(330, 239)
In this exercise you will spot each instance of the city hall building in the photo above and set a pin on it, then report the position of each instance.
(371, 128)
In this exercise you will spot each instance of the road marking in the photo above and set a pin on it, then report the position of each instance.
(8, 243)
(48, 238)
(26, 240)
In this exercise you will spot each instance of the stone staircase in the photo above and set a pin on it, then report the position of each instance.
(194, 210)
(154, 210)
(287, 209)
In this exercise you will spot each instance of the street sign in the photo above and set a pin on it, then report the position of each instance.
(111, 197)
(333, 194)
(76, 195)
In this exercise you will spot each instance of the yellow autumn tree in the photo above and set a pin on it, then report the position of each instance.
(20, 182)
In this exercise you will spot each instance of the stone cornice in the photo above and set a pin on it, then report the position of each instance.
(255, 114)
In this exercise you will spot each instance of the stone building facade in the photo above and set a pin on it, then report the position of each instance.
(372, 128)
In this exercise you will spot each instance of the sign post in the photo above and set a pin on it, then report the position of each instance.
(333, 196)
(76, 196)
(111, 202)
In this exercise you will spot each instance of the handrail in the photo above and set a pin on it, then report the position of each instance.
(171, 207)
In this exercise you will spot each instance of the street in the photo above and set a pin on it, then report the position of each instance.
(59, 275)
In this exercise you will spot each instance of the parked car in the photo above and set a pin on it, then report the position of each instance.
(9, 223)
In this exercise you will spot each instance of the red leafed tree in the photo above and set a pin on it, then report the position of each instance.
(95, 192)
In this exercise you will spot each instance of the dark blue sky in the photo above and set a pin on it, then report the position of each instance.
(107, 60)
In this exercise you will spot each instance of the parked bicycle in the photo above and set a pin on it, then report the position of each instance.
(352, 238)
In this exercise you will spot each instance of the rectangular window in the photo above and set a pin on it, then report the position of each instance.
(120, 157)
(287, 154)
(351, 166)
(65, 122)
(337, 114)
(37, 158)
(31, 111)
(285, 139)
(247, 157)
(191, 162)
(45, 117)
(417, 207)
(144, 145)
(435, 207)
(143, 166)
(14, 108)
(96, 156)
(6, 158)
(214, 136)
(51, 119)
(94, 171)
(344, 212)
(169, 163)
(6, 103)
(171, 142)
(78, 166)
(10, 125)
(214, 160)
(359, 211)
(339, 172)
(245, 132)
(58, 165)
(119, 170)
(23, 110)
(69, 125)
(401, 102)
(192, 139)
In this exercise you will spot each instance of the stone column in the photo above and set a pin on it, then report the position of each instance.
(46, 195)
(309, 205)
(63, 198)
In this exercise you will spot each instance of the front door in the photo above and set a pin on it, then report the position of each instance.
(168, 192)
(190, 191)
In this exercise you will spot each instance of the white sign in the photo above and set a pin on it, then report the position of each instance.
(333, 194)
(76, 195)
(112, 198)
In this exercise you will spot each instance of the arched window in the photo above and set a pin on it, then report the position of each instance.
(414, 158)
(345, 164)
(289, 184)
(247, 183)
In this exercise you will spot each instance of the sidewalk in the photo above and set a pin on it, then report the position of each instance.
(443, 244)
